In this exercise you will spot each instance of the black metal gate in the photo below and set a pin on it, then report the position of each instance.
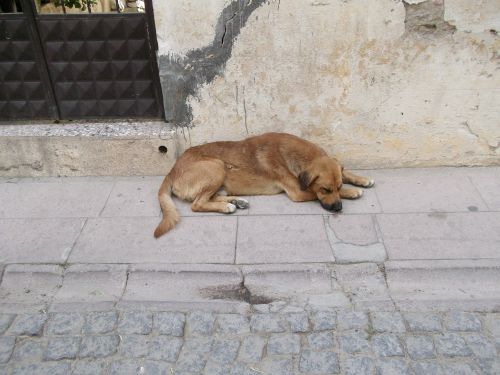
(78, 66)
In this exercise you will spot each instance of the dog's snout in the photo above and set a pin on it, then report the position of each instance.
(335, 206)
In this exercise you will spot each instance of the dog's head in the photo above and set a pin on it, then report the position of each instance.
(323, 176)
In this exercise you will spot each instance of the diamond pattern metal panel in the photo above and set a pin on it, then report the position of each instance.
(101, 65)
(22, 91)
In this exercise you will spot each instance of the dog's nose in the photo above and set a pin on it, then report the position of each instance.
(337, 206)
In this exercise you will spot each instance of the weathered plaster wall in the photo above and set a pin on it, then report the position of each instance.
(351, 75)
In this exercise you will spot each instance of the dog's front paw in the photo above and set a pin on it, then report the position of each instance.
(369, 183)
(230, 208)
(240, 203)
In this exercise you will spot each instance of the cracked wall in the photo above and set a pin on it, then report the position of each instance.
(383, 83)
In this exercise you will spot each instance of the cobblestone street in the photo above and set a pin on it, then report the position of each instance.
(275, 339)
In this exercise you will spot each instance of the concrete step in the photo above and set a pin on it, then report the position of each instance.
(445, 284)
(126, 148)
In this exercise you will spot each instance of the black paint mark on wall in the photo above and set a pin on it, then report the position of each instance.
(180, 77)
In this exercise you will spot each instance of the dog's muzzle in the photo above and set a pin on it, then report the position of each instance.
(336, 206)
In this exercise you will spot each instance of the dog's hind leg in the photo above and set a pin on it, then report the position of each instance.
(351, 178)
(200, 184)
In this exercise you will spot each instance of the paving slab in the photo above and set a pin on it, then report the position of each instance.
(38, 240)
(29, 287)
(287, 280)
(487, 182)
(130, 240)
(282, 239)
(473, 235)
(364, 283)
(43, 200)
(134, 197)
(354, 229)
(443, 284)
(212, 287)
(90, 287)
(426, 190)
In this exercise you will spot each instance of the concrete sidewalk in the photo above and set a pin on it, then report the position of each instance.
(420, 238)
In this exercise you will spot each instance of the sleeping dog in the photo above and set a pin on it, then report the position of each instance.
(270, 163)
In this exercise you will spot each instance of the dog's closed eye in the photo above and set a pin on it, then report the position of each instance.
(326, 190)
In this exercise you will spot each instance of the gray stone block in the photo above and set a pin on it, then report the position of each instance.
(251, 349)
(481, 345)
(315, 362)
(267, 323)
(354, 342)
(27, 325)
(277, 365)
(387, 345)
(224, 351)
(134, 346)
(5, 321)
(89, 367)
(125, 366)
(388, 322)
(164, 348)
(459, 369)
(42, 368)
(352, 320)
(358, 366)
(452, 345)
(426, 368)
(65, 324)
(156, 367)
(170, 323)
(321, 340)
(233, 324)
(492, 322)
(135, 322)
(420, 347)
(6, 347)
(28, 350)
(299, 322)
(423, 322)
(214, 368)
(323, 320)
(462, 321)
(283, 344)
(99, 346)
(100, 322)
(194, 355)
(392, 366)
(199, 322)
(62, 348)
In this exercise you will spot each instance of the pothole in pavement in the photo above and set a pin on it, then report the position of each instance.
(235, 293)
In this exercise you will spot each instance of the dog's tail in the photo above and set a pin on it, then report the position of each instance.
(170, 214)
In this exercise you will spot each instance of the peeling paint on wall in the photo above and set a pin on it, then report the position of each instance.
(182, 75)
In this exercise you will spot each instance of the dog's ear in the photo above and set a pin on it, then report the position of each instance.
(305, 180)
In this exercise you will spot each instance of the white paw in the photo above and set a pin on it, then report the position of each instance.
(240, 203)
(230, 208)
(360, 193)
(370, 183)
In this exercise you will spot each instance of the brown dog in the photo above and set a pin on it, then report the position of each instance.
(266, 164)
